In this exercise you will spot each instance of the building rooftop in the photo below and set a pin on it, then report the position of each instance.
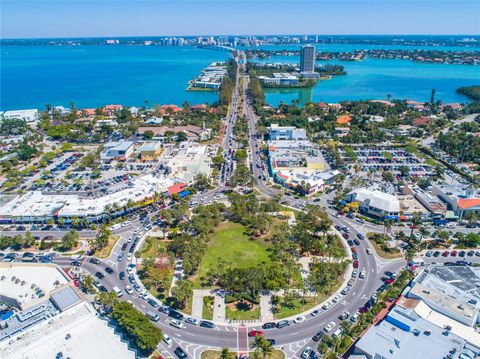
(28, 284)
(76, 333)
(405, 334)
(377, 199)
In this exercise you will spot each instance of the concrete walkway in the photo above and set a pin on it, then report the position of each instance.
(266, 314)
(197, 302)
(219, 308)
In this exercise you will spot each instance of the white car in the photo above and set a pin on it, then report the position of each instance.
(177, 324)
(329, 327)
(327, 305)
(369, 251)
(129, 256)
(128, 289)
(167, 339)
(307, 352)
(299, 320)
(362, 274)
(337, 298)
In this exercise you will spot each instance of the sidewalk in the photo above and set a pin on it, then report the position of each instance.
(197, 302)
(266, 314)
(219, 308)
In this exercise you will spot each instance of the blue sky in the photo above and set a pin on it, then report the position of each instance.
(73, 18)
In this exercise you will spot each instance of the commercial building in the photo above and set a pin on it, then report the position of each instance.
(150, 151)
(37, 207)
(296, 163)
(120, 150)
(435, 206)
(461, 199)
(30, 116)
(437, 317)
(276, 133)
(188, 161)
(211, 77)
(280, 79)
(307, 58)
(47, 317)
(375, 203)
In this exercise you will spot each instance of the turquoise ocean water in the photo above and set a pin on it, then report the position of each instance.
(90, 76)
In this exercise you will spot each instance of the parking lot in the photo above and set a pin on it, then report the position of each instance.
(388, 159)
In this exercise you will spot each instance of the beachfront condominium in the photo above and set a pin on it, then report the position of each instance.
(307, 58)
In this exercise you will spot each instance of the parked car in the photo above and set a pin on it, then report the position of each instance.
(269, 325)
(283, 323)
(318, 336)
(207, 324)
(329, 327)
(94, 260)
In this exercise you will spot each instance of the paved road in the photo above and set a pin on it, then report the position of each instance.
(292, 339)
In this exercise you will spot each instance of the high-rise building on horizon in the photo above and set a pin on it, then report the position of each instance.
(307, 58)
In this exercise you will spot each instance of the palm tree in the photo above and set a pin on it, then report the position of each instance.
(225, 354)
(387, 224)
(267, 348)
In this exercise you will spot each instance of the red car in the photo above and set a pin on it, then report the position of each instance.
(254, 333)
(389, 281)
(355, 264)
(453, 254)
(445, 254)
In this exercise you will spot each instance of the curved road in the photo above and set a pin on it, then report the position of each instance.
(292, 339)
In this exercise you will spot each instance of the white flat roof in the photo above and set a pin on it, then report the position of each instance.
(89, 337)
(17, 280)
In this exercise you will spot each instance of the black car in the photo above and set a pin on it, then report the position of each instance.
(99, 275)
(109, 270)
(180, 353)
(318, 336)
(125, 245)
(356, 241)
(175, 315)
(461, 254)
(94, 260)
(121, 275)
(283, 324)
(207, 324)
(272, 341)
(350, 243)
(102, 289)
(269, 325)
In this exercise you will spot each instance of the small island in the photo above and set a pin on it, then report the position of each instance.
(472, 92)
(289, 76)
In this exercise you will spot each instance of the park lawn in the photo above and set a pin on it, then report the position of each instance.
(214, 354)
(152, 247)
(105, 252)
(231, 244)
(235, 312)
(207, 312)
(300, 307)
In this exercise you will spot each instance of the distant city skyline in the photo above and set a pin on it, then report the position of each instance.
(51, 19)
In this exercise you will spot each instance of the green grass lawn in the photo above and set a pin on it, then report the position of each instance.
(239, 313)
(299, 307)
(232, 245)
(152, 247)
(207, 312)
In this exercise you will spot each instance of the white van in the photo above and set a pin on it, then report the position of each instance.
(76, 257)
(118, 291)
